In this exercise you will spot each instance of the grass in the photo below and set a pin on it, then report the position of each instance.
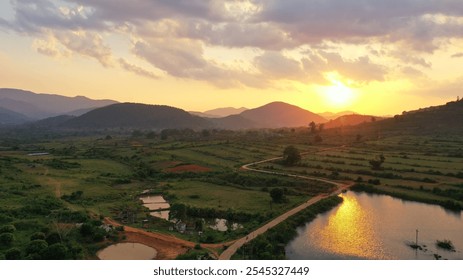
(207, 195)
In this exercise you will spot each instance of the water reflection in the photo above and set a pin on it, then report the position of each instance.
(349, 232)
(368, 226)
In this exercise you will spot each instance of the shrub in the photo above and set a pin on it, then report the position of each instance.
(13, 254)
(7, 229)
(38, 236)
(55, 252)
(6, 239)
(36, 247)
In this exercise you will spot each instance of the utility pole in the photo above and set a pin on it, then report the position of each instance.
(416, 242)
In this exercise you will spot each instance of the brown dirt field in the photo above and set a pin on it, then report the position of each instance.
(167, 246)
(187, 168)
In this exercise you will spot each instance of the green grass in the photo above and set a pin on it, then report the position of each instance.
(206, 195)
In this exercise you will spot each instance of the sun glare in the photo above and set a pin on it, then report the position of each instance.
(338, 94)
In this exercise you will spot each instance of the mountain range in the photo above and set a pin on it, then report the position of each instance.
(36, 106)
(18, 107)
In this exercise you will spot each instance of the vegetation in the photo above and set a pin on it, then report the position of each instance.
(51, 205)
(445, 244)
(291, 156)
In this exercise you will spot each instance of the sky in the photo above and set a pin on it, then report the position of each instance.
(377, 57)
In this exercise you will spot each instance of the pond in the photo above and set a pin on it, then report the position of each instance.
(155, 203)
(127, 251)
(367, 226)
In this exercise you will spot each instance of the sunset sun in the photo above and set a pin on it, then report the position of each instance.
(337, 94)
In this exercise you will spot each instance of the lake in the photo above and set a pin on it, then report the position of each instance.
(127, 251)
(368, 226)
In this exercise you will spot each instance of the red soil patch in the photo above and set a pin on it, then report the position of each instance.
(187, 168)
(168, 247)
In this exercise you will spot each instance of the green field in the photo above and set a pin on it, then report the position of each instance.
(86, 178)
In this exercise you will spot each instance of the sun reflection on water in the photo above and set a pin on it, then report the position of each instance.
(349, 231)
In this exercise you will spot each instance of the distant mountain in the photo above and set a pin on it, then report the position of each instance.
(225, 112)
(132, 115)
(279, 114)
(80, 112)
(52, 122)
(234, 122)
(39, 105)
(332, 116)
(203, 115)
(351, 120)
(8, 117)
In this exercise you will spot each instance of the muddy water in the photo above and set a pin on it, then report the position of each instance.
(127, 251)
(155, 203)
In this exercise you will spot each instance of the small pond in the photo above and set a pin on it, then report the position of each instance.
(127, 251)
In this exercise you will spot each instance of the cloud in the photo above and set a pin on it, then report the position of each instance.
(275, 65)
(457, 55)
(87, 44)
(417, 24)
(136, 69)
(173, 36)
(359, 70)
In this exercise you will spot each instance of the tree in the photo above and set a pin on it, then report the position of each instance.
(313, 127)
(277, 195)
(377, 162)
(318, 139)
(291, 155)
(321, 127)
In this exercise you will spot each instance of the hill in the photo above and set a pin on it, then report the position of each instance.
(350, 120)
(444, 119)
(133, 115)
(39, 105)
(280, 114)
(8, 117)
(233, 122)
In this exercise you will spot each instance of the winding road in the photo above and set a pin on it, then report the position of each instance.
(231, 250)
(169, 247)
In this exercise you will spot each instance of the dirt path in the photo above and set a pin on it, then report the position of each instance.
(53, 183)
(168, 246)
(231, 250)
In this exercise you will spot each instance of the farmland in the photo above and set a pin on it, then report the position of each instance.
(81, 179)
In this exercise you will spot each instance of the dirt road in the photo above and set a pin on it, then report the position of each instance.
(230, 251)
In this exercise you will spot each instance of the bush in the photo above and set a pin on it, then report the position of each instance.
(53, 238)
(445, 244)
(6, 239)
(7, 229)
(55, 252)
(36, 247)
(38, 236)
(13, 254)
